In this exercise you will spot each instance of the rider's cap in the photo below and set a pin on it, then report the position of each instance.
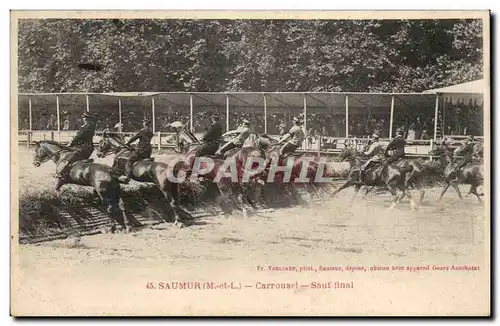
(245, 121)
(297, 119)
(176, 124)
(215, 115)
(146, 120)
(375, 136)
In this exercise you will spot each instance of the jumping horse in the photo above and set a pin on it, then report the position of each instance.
(390, 176)
(86, 173)
(471, 174)
(146, 170)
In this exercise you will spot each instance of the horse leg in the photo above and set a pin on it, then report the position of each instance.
(347, 184)
(357, 187)
(444, 190)
(455, 186)
(368, 191)
(170, 197)
(407, 192)
(225, 194)
(316, 192)
(396, 199)
(473, 189)
(240, 200)
(121, 207)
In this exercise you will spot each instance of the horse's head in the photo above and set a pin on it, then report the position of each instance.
(264, 142)
(105, 146)
(42, 153)
(347, 154)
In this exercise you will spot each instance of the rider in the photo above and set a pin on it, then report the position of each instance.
(466, 151)
(293, 138)
(375, 151)
(242, 133)
(212, 138)
(445, 145)
(83, 145)
(143, 150)
(397, 145)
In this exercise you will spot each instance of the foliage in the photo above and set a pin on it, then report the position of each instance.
(247, 55)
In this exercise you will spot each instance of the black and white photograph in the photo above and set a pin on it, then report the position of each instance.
(250, 163)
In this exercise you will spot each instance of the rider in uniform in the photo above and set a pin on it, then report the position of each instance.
(293, 138)
(83, 145)
(241, 133)
(375, 152)
(445, 146)
(397, 145)
(466, 151)
(212, 138)
(143, 150)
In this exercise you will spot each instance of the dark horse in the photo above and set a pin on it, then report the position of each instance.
(471, 173)
(86, 173)
(146, 170)
(390, 176)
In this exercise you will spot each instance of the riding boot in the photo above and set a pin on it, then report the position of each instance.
(222, 150)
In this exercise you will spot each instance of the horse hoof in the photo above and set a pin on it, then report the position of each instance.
(179, 225)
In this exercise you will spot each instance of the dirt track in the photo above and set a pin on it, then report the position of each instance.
(114, 268)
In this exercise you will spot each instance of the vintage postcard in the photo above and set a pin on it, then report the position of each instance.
(250, 163)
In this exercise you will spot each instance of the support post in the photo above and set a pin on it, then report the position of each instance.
(227, 113)
(253, 119)
(265, 114)
(159, 140)
(153, 114)
(305, 121)
(120, 129)
(392, 117)
(347, 116)
(436, 117)
(443, 122)
(87, 101)
(58, 120)
(30, 114)
(191, 113)
(30, 133)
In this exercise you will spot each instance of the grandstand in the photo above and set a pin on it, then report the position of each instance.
(331, 119)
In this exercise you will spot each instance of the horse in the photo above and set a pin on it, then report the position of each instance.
(146, 170)
(389, 176)
(471, 174)
(269, 149)
(86, 173)
(236, 191)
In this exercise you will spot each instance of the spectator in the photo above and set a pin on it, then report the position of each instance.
(66, 123)
(411, 132)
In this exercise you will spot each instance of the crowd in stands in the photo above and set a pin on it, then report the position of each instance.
(461, 121)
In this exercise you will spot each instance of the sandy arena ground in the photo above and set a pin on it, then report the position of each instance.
(108, 273)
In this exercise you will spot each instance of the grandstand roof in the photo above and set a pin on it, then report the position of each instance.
(237, 101)
(476, 86)
(473, 90)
